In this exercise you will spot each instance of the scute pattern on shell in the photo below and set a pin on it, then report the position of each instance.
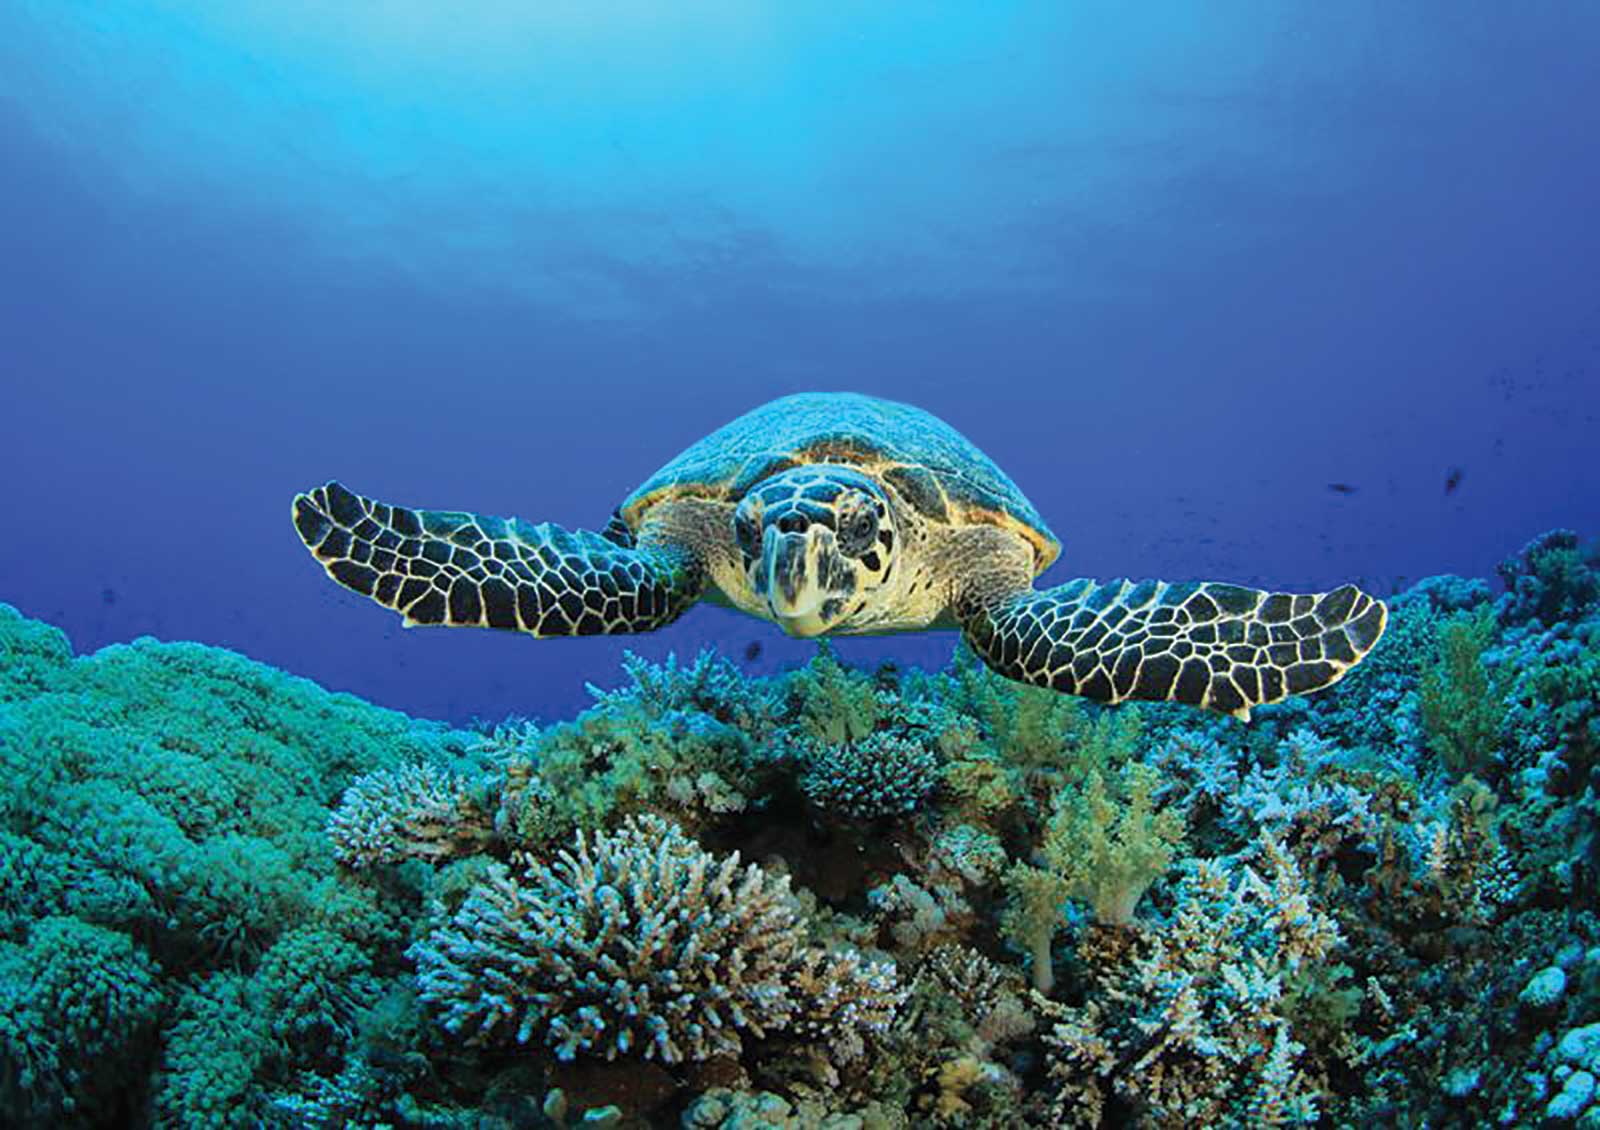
(878, 436)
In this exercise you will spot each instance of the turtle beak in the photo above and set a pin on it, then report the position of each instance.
(792, 590)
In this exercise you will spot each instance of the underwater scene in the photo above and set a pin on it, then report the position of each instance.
(1033, 565)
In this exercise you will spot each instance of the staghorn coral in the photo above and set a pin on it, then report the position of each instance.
(638, 942)
(1464, 868)
(414, 812)
(1191, 1025)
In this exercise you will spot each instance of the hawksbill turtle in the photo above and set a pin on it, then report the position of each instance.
(842, 513)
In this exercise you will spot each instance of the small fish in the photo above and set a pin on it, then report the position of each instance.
(1452, 480)
(752, 651)
(1342, 488)
(108, 595)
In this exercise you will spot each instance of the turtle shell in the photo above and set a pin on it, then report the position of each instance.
(933, 466)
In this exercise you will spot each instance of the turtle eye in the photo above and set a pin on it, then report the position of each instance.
(744, 532)
(858, 532)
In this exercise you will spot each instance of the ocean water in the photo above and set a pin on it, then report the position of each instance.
(1283, 296)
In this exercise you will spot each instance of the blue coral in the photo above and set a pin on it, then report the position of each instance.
(882, 774)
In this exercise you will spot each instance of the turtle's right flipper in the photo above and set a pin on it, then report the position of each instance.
(1217, 646)
(469, 570)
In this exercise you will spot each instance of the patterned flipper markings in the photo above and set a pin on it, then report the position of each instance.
(469, 570)
(1212, 645)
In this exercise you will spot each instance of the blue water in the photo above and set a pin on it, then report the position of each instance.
(1177, 269)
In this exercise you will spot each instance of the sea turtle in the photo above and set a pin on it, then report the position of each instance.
(843, 513)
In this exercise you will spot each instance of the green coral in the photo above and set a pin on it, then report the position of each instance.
(834, 704)
(1110, 841)
(1463, 706)
(77, 1006)
(1105, 845)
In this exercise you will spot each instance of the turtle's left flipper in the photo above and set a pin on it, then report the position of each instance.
(1217, 646)
(469, 570)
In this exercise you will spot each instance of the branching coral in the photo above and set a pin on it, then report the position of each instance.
(1552, 578)
(1191, 1027)
(416, 812)
(638, 942)
(882, 774)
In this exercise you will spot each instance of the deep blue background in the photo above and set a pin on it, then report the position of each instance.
(1177, 267)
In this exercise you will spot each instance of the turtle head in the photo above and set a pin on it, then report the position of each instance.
(815, 541)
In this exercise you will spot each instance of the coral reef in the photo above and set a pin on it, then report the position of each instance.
(827, 898)
(641, 942)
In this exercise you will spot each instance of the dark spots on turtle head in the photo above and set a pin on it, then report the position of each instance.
(831, 608)
(920, 489)
(871, 562)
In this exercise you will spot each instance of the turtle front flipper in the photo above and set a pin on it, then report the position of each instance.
(469, 570)
(1217, 646)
